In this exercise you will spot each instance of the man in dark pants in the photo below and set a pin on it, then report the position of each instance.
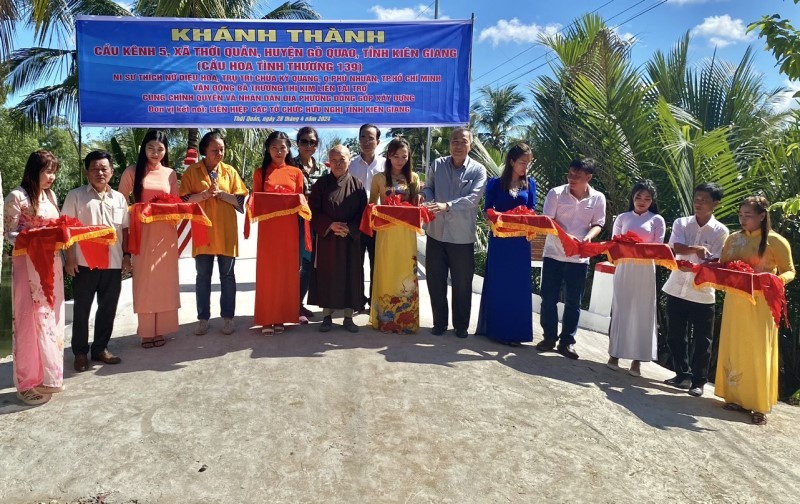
(453, 189)
(96, 204)
(581, 212)
(364, 167)
(690, 310)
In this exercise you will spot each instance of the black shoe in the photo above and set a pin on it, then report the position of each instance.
(437, 331)
(306, 312)
(568, 351)
(350, 325)
(326, 325)
(545, 346)
(678, 382)
(462, 333)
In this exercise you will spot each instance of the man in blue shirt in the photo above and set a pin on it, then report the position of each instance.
(453, 188)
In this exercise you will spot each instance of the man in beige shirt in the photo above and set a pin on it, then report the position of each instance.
(97, 204)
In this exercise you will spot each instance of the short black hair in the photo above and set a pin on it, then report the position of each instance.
(367, 126)
(712, 188)
(585, 165)
(207, 138)
(96, 155)
(307, 130)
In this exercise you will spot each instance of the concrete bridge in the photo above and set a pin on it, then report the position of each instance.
(370, 417)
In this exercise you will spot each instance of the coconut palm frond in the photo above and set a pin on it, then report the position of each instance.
(298, 9)
(44, 107)
(26, 67)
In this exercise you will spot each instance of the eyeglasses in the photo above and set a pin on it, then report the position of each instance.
(307, 143)
(459, 142)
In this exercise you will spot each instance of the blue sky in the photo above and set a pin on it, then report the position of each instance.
(505, 49)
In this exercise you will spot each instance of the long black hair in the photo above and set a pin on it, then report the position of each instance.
(516, 152)
(395, 145)
(38, 162)
(141, 161)
(761, 206)
(644, 185)
(275, 135)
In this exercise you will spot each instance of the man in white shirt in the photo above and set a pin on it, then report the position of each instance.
(97, 204)
(581, 212)
(690, 310)
(364, 167)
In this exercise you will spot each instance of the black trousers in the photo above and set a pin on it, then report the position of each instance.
(457, 259)
(368, 246)
(690, 328)
(106, 284)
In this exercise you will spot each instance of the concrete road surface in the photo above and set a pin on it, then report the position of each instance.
(370, 417)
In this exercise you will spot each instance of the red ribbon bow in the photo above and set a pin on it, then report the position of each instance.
(40, 244)
(629, 237)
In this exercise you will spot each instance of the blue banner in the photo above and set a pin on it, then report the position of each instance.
(173, 72)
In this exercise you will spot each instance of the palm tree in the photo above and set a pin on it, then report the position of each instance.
(720, 94)
(26, 68)
(596, 106)
(495, 114)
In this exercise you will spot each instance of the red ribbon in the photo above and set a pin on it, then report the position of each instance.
(739, 277)
(167, 208)
(278, 202)
(40, 244)
(395, 212)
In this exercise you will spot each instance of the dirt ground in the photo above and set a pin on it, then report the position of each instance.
(369, 417)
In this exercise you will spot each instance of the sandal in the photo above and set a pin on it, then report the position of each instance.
(758, 418)
(159, 341)
(33, 398)
(732, 407)
(268, 331)
(148, 343)
(45, 390)
(279, 329)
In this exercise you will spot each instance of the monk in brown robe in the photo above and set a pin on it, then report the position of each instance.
(337, 281)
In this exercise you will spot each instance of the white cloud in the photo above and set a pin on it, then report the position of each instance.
(722, 30)
(421, 11)
(514, 31)
(785, 100)
(628, 37)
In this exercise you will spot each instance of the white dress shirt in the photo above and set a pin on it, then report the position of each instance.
(364, 171)
(575, 216)
(686, 231)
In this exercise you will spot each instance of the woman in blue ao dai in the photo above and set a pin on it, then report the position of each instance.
(506, 312)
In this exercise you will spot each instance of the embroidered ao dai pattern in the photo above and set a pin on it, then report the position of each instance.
(38, 327)
(506, 307)
(633, 333)
(395, 290)
(747, 363)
